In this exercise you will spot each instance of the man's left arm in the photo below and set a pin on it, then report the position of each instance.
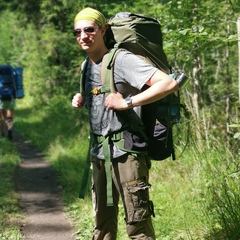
(160, 85)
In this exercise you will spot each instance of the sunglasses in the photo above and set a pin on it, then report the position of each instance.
(86, 30)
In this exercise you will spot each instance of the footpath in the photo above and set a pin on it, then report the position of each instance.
(39, 193)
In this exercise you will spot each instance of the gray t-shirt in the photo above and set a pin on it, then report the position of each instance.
(130, 75)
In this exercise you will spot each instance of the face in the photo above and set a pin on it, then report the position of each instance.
(89, 35)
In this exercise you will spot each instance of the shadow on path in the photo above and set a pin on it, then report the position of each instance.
(39, 195)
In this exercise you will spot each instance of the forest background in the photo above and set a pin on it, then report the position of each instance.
(196, 196)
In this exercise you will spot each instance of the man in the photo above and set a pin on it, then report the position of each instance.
(129, 172)
(7, 105)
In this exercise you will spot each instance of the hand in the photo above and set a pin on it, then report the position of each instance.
(115, 101)
(78, 101)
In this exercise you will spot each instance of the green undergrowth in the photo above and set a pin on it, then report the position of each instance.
(10, 214)
(195, 196)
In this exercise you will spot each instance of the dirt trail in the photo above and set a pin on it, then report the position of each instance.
(40, 196)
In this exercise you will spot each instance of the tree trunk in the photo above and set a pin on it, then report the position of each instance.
(195, 98)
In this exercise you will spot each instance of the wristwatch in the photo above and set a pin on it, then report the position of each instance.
(128, 101)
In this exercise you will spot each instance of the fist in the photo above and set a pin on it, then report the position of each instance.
(78, 101)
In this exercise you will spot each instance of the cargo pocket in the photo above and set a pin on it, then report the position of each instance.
(139, 206)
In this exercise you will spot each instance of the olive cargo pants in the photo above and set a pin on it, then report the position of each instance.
(130, 181)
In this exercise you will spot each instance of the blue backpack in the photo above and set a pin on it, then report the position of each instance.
(7, 83)
(10, 83)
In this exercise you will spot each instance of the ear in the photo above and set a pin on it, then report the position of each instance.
(103, 30)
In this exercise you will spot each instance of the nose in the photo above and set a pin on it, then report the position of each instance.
(82, 34)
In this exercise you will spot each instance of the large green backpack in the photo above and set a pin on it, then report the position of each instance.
(139, 34)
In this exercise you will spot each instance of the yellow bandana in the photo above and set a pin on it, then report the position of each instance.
(92, 15)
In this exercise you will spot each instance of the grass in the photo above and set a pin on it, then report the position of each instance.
(10, 214)
(195, 197)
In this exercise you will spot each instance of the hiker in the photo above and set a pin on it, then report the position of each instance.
(7, 100)
(6, 115)
(129, 172)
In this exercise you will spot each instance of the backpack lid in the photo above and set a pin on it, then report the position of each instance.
(5, 69)
(129, 27)
(6, 73)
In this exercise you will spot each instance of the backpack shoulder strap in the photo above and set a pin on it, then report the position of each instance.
(106, 73)
(107, 77)
(82, 76)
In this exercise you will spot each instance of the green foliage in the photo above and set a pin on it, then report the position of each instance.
(10, 218)
(225, 207)
(223, 190)
(197, 197)
(10, 53)
(236, 135)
